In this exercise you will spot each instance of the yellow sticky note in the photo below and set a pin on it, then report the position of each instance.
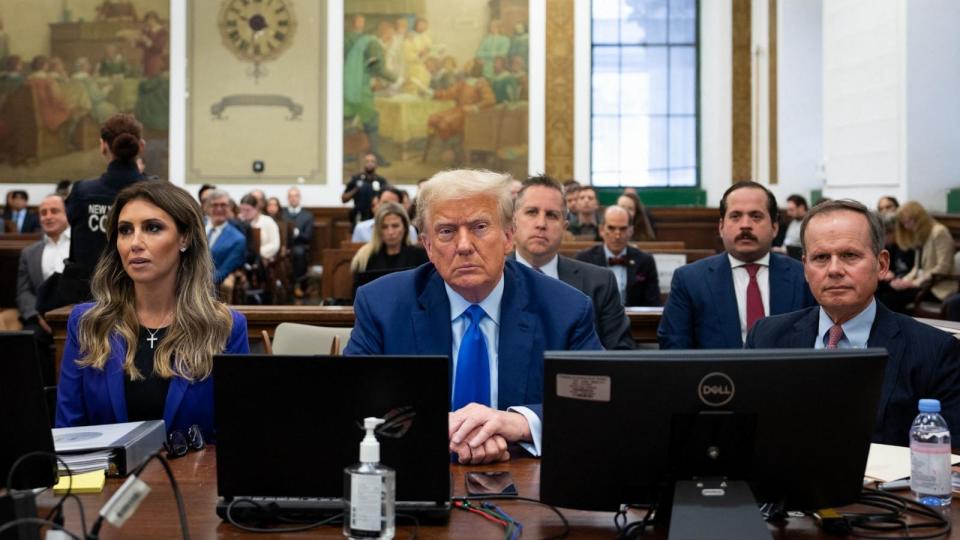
(88, 482)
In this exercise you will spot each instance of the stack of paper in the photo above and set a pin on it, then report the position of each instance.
(81, 463)
(888, 463)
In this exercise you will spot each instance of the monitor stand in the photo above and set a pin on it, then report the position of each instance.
(717, 509)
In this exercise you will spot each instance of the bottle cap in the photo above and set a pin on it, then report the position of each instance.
(370, 447)
(930, 405)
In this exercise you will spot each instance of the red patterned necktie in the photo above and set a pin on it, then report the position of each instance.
(834, 336)
(754, 300)
(617, 261)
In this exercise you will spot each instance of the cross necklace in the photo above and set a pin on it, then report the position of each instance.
(153, 335)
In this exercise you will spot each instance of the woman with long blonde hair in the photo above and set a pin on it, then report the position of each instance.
(144, 348)
(391, 247)
(934, 248)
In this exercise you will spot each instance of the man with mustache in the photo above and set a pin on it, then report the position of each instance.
(843, 260)
(715, 301)
(493, 317)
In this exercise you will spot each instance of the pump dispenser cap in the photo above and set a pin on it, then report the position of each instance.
(369, 446)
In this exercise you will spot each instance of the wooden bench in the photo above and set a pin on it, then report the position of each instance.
(643, 322)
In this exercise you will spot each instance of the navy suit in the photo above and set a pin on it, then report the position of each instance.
(409, 313)
(701, 311)
(88, 396)
(923, 363)
(227, 252)
(643, 285)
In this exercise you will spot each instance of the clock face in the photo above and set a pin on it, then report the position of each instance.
(257, 30)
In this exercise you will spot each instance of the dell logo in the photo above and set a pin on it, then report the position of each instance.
(716, 389)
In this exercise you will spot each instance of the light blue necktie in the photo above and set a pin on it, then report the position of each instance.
(473, 365)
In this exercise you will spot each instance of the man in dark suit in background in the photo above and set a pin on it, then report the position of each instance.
(634, 270)
(540, 220)
(493, 317)
(301, 236)
(19, 216)
(715, 301)
(843, 260)
(38, 262)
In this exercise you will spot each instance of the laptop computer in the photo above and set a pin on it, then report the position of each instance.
(287, 426)
(24, 420)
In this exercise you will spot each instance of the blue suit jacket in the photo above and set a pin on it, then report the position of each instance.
(409, 313)
(701, 311)
(227, 252)
(923, 363)
(89, 396)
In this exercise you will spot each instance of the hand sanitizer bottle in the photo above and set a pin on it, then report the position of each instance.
(368, 491)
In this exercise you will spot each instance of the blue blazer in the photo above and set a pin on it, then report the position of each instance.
(409, 313)
(923, 363)
(89, 396)
(701, 311)
(227, 252)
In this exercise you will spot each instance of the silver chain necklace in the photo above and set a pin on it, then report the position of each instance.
(153, 335)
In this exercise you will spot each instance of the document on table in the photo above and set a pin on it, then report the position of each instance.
(887, 463)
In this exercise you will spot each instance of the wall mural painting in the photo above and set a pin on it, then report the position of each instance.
(61, 79)
(433, 84)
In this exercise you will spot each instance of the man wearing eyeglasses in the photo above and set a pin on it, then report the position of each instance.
(226, 242)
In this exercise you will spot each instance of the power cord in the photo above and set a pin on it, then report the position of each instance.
(892, 518)
(181, 508)
(633, 529)
(272, 512)
(563, 519)
(54, 518)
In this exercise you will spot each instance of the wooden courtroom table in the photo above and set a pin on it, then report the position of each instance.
(643, 321)
(196, 476)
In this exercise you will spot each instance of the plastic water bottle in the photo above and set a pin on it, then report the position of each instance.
(930, 456)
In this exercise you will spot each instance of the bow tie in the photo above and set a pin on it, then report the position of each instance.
(618, 261)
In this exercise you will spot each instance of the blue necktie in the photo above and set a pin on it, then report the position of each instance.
(473, 365)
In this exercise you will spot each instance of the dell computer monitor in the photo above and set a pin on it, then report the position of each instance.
(24, 422)
(624, 427)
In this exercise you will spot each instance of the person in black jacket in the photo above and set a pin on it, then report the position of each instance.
(635, 270)
(121, 141)
(390, 248)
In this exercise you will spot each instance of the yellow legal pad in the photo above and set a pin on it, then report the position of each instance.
(88, 482)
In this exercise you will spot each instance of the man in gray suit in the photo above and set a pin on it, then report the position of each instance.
(540, 221)
(37, 262)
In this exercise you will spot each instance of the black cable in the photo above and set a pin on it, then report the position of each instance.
(181, 508)
(416, 524)
(56, 513)
(634, 529)
(563, 519)
(247, 528)
(37, 521)
(893, 518)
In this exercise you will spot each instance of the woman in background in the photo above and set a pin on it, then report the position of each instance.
(390, 248)
(934, 248)
(143, 350)
(642, 228)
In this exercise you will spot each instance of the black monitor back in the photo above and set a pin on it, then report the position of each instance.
(621, 427)
(24, 421)
(288, 425)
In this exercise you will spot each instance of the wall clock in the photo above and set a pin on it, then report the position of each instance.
(257, 30)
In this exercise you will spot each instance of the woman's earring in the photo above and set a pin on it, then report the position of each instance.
(183, 249)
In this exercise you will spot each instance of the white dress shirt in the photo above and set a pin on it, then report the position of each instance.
(792, 236)
(490, 327)
(619, 272)
(269, 235)
(856, 331)
(549, 269)
(54, 252)
(740, 281)
(213, 233)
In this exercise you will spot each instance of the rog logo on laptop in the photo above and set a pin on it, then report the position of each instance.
(397, 422)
